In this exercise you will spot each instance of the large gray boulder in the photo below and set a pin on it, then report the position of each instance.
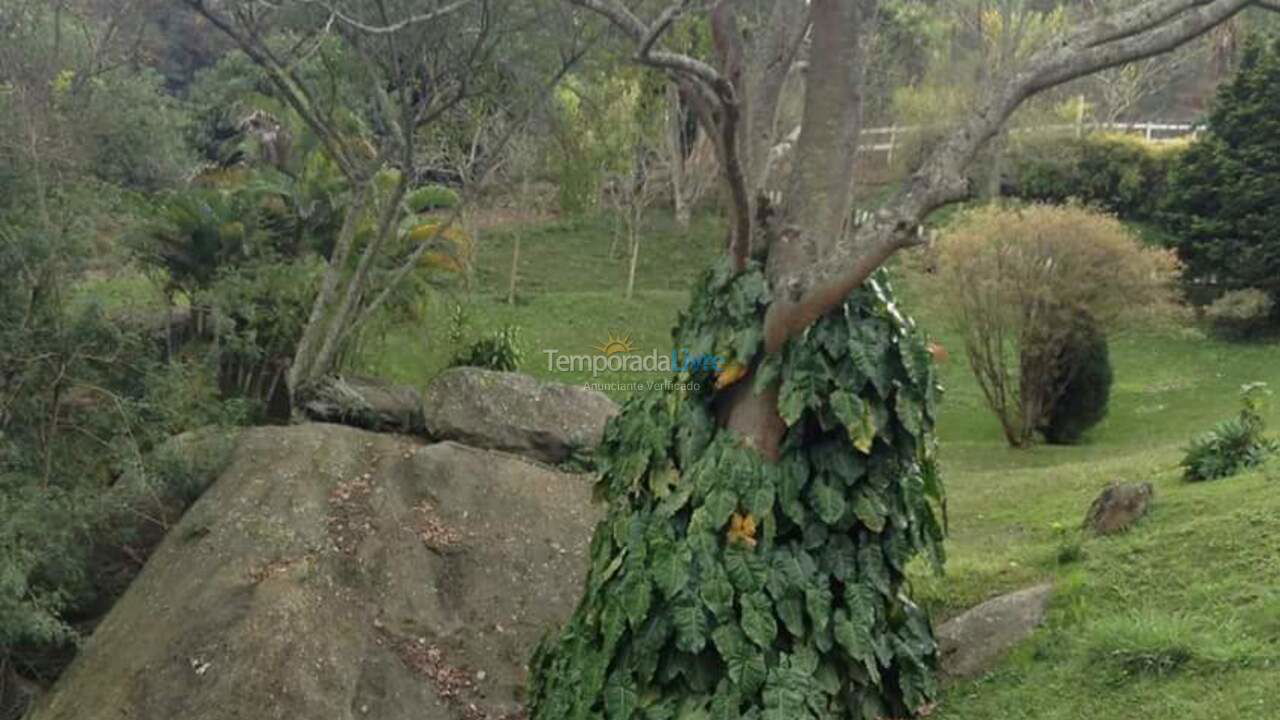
(339, 574)
(972, 643)
(515, 413)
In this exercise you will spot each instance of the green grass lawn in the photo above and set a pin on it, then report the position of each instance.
(1178, 619)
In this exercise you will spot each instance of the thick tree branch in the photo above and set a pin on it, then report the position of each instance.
(728, 41)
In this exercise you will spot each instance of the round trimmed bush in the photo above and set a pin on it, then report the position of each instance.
(1085, 376)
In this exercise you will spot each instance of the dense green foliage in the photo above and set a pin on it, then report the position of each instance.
(1234, 445)
(501, 351)
(1116, 173)
(83, 401)
(1083, 372)
(1220, 204)
(724, 586)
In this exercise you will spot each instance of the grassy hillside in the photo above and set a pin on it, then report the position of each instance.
(1178, 619)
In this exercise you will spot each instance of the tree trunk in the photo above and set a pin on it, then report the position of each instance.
(676, 149)
(634, 235)
(515, 270)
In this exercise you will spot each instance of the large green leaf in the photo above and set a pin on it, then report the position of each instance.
(744, 661)
(670, 567)
(691, 626)
(827, 500)
(758, 622)
(747, 569)
(620, 698)
(716, 591)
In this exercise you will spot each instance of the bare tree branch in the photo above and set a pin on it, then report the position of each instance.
(388, 27)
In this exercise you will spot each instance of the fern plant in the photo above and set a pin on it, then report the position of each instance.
(724, 586)
(1234, 445)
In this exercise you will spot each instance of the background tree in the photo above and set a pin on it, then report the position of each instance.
(752, 559)
(419, 60)
(1218, 205)
(83, 396)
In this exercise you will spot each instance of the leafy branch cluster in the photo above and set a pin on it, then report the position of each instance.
(725, 586)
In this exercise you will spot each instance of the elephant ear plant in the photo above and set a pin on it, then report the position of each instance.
(722, 581)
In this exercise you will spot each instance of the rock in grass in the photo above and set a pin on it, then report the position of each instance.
(515, 413)
(339, 574)
(972, 643)
(1118, 508)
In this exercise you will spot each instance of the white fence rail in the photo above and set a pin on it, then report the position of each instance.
(888, 139)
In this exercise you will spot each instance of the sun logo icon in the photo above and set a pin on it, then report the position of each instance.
(616, 345)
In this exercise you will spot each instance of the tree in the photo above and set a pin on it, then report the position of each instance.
(760, 517)
(1218, 206)
(419, 60)
(1028, 287)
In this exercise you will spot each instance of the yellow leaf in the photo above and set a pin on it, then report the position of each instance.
(732, 373)
(742, 530)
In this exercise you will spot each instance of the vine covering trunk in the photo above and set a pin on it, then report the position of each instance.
(727, 585)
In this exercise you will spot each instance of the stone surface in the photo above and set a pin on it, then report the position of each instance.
(515, 413)
(339, 574)
(972, 643)
(1118, 508)
(365, 403)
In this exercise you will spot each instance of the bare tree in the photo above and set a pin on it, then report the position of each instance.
(423, 59)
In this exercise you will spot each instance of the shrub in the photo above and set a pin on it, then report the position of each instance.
(1221, 205)
(1016, 282)
(1241, 314)
(1234, 445)
(1121, 174)
(1085, 376)
(432, 197)
(500, 351)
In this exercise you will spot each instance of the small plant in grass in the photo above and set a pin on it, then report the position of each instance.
(1070, 548)
(1234, 445)
(500, 351)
